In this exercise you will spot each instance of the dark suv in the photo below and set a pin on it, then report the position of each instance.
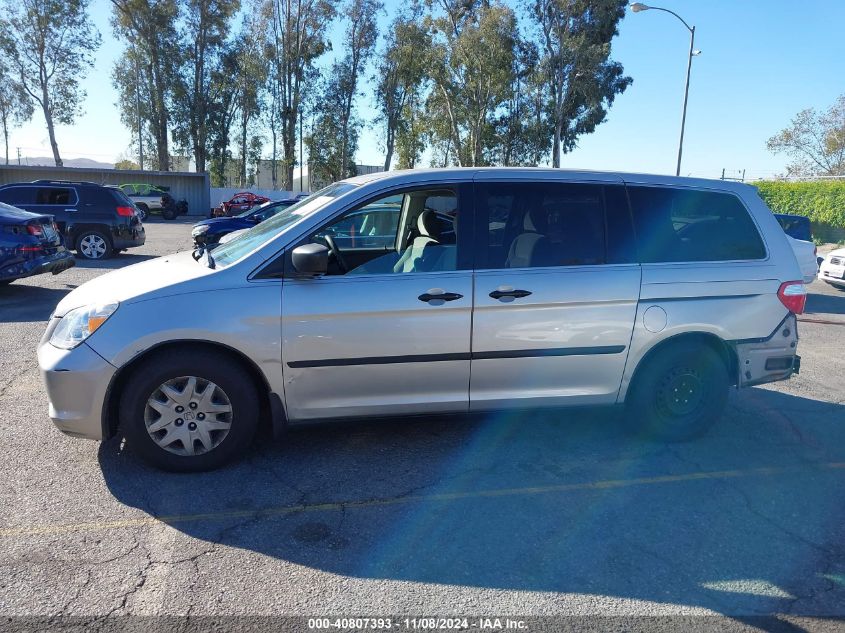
(97, 221)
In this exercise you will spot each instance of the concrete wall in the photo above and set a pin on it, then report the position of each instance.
(188, 186)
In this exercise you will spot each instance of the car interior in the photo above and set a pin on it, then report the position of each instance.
(411, 232)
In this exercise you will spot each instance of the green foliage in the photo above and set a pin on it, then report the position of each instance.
(50, 45)
(815, 141)
(821, 201)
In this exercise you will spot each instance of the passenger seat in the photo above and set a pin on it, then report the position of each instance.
(413, 259)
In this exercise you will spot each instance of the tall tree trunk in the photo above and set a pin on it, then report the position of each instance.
(6, 138)
(556, 143)
(48, 117)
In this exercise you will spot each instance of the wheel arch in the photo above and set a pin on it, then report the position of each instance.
(270, 405)
(725, 350)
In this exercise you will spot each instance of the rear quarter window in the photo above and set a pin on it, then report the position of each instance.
(56, 195)
(686, 225)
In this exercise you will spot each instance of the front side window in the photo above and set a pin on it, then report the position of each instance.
(18, 195)
(687, 225)
(263, 232)
(409, 232)
(55, 195)
(532, 225)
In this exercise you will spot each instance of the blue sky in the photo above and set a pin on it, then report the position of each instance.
(762, 61)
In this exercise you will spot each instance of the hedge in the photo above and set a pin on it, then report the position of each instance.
(821, 201)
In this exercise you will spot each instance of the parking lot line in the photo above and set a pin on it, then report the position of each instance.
(93, 526)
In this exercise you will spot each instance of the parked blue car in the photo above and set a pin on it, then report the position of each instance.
(30, 244)
(207, 233)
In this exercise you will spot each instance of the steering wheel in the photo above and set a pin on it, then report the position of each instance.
(336, 252)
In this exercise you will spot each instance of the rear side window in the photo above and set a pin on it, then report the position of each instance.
(55, 195)
(18, 195)
(685, 225)
(530, 225)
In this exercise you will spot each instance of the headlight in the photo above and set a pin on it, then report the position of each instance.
(200, 230)
(77, 325)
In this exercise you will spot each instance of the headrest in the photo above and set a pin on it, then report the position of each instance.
(428, 225)
(535, 221)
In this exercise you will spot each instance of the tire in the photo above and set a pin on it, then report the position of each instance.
(168, 214)
(656, 406)
(144, 209)
(165, 379)
(93, 245)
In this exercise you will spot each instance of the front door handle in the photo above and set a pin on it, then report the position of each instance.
(438, 297)
(512, 294)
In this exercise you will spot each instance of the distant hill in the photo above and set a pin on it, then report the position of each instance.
(69, 162)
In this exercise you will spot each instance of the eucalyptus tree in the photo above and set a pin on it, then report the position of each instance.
(49, 46)
(15, 106)
(581, 77)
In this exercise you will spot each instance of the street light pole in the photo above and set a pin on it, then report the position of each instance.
(686, 97)
(636, 7)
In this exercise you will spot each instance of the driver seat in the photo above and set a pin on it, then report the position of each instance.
(413, 258)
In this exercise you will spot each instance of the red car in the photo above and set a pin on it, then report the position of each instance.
(239, 203)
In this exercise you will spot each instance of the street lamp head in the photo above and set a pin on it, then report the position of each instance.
(696, 53)
(636, 7)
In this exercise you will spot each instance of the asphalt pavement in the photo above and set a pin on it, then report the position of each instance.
(520, 514)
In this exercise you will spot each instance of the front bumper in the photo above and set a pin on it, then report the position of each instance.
(77, 381)
(54, 263)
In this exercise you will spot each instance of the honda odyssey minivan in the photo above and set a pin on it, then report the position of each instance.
(497, 288)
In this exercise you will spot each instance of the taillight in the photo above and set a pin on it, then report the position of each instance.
(793, 295)
(34, 229)
(127, 212)
(30, 249)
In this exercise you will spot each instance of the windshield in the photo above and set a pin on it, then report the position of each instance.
(267, 230)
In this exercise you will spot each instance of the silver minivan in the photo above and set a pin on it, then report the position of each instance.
(436, 292)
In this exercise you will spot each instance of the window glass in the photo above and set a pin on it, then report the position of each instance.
(532, 225)
(18, 195)
(409, 232)
(684, 225)
(265, 231)
(55, 195)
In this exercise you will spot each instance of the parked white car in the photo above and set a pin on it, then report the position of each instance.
(832, 269)
(805, 253)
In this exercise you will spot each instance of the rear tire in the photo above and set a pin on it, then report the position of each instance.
(93, 245)
(679, 394)
(177, 424)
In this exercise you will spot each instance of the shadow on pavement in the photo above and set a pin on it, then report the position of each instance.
(22, 303)
(748, 520)
(121, 260)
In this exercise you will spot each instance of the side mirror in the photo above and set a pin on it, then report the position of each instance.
(819, 261)
(310, 259)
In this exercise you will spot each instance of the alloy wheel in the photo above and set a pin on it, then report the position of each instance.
(188, 415)
(93, 246)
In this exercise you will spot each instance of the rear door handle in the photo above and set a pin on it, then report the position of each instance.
(438, 297)
(512, 294)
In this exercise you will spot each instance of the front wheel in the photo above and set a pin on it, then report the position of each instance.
(679, 394)
(189, 412)
(168, 214)
(93, 245)
(144, 211)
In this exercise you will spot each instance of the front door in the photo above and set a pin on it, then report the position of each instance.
(556, 293)
(387, 330)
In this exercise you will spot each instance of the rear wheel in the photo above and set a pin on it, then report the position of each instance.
(189, 412)
(93, 245)
(679, 394)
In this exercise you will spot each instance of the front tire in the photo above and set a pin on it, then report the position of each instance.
(93, 245)
(679, 394)
(144, 209)
(188, 411)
